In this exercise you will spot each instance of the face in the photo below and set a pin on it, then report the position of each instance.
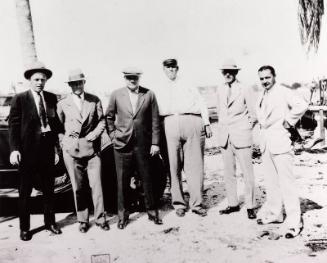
(171, 72)
(266, 78)
(77, 86)
(37, 81)
(132, 82)
(229, 75)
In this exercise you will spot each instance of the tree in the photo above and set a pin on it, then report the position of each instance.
(25, 26)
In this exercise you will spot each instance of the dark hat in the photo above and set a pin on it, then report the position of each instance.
(171, 62)
(37, 66)
(75, 75)
(229, 64)
(131, 71)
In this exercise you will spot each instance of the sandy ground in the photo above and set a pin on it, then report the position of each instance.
(215, 238)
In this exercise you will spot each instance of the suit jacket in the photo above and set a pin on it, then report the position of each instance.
(235, 116)
(25, 124)
(78, 124)
(123, 124)
(274, 107)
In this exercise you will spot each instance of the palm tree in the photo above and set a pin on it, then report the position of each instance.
(310, 14)
(25, 26)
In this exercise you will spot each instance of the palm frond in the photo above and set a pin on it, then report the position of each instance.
(310, 14)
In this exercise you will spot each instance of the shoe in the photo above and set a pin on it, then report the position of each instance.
(180, 212)
(25, 235)
(155, 218)
(201, 211)
(104, 226)
(292, 232)
(54, 229)
(122, 224)
(265, 221)
(230, 209)
(251, 213)
(83, 227)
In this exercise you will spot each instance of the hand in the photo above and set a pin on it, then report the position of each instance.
(207, 130)
(15, 158)
(154, 150)
(286, 125)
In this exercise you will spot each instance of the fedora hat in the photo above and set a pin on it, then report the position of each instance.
(229, 64)
(171, 62)
(75, 75)
(37, 66)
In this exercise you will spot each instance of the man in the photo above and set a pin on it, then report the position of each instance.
(185, 120)
(133, 122)
(236, 119)
(33, 133)
(278, 109)
(82, 116)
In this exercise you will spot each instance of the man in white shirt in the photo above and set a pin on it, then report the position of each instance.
(185, 120)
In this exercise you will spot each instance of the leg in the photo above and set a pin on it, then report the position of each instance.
(124, 169)
(288, 188)
(229, 174)
(94, 176)
(193, 160)
(272, 209)
(244, 157)
(174, 151)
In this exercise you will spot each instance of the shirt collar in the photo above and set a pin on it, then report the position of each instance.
(80, 96)
(35, 93)
(137, 90)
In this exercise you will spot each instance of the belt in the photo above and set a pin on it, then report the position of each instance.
(181, 114)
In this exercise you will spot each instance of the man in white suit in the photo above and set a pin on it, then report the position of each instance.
(236, 119)
(278, 110)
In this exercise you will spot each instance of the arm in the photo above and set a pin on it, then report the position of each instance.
(111, 115)
(15, 119)
(204, 113)
(61, 116)
(155, 126)
(250, 98)
(93, 135)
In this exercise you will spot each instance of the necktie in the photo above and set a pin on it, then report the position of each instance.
(43, 115)
(229, 93)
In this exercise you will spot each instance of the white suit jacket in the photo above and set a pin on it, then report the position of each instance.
(235, 116)
(273, 107)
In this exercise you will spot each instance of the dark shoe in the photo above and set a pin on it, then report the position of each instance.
(25, 235)
(200, 211)
(155, 219)
(104, 226)
(292, 232)
(265, 221)
(83, 227)
(230, 209)
(122, 224)
(251, 213)
(180, 212)
(54, 229)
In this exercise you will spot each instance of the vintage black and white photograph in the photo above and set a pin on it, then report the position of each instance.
(153, 131)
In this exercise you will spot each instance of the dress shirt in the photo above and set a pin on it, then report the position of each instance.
(78, 100)
(36, 100)
(179, 97)
(133, 96)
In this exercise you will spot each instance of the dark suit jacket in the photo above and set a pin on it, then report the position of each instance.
(25, 124)
(123, 124)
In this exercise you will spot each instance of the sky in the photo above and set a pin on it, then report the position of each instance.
(103, 37)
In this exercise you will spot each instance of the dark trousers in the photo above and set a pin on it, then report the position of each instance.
(128, 161)
(38, 174)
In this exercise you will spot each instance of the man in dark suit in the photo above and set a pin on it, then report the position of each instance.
(82, 115)
(133, 121)
(33, 131)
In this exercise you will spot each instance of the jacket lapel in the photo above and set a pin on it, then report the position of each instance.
(86, 107)
(127, 100)
(71, 104)
(140, 100)
(32, 105)
(236, 91)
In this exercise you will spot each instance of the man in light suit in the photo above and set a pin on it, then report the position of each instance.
(133, 122)
(278, 109)
(82, 116)
(33, 132)
(236, 120)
